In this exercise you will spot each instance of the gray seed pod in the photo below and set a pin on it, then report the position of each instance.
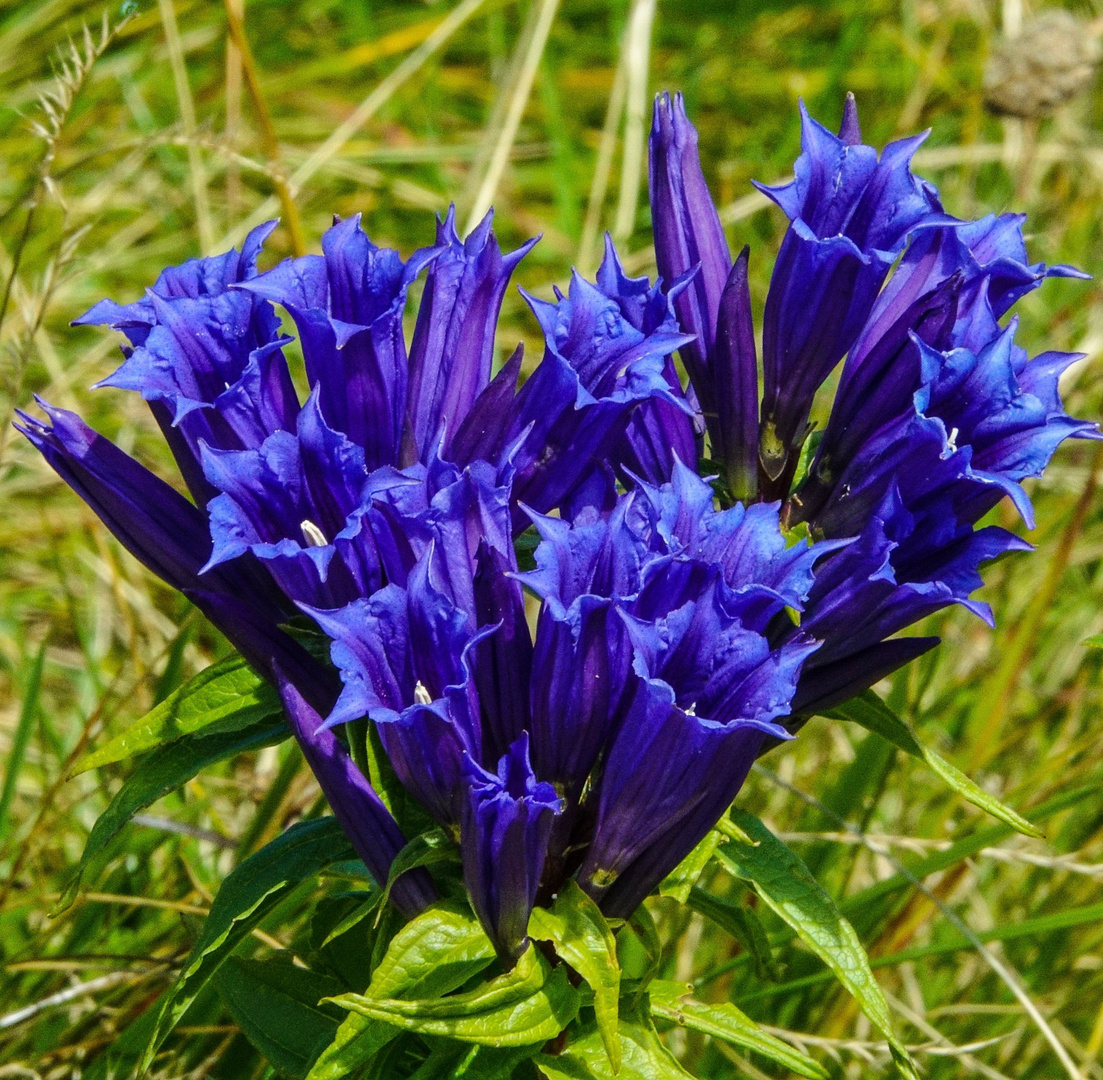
(1052, 61)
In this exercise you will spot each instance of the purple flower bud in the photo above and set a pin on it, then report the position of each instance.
(506, 825)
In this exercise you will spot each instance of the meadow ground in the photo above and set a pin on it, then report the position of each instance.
(393, 108)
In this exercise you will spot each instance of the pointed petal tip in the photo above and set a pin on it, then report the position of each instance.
(849, 130)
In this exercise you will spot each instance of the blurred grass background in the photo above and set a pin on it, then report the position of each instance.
(173, 144)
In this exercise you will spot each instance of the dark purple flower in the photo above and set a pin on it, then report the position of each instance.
(689, 239)
(507, 822)
(374, 833)
(938, 415)
(404, 659)
(950, 288)
(170, 537)
(453, 343)
(569, 417)
(707, 692)
(904, 566)
(977, 424)
(660, 430)
(674, 641)
(851, 213)
(207, 357)
(348, 305)
(296, 503)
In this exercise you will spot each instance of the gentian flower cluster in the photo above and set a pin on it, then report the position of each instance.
(678, 623)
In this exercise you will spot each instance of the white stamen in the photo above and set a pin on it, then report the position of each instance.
(952, 440)
(692, 710)
(313, 536)
(421, 695)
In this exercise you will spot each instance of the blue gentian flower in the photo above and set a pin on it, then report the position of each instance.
(662, 659)
(680, 624)
(506, 825)
(171, 537)
(938, 414)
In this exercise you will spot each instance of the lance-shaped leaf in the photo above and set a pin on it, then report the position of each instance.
(248, 894)
(164, 770)
(671, 1001)
(874, 715)
(784, 883)
(530, 1004)
(275, 1003)
(581, 936)
(227, 696)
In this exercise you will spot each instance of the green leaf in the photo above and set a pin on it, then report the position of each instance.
(581, 936)
(530, 1004)
(160, 772)
(1094, 642)
(955, 942)
(785, 884)
(248, 894)
(874, 715)
(743, 925)
(428, 849)
(226, 696)
(431, 955)
(357, 1042)
(684, 876)
(643, 1057)
(492, 1062)
(276, 1006)
(671, 1001)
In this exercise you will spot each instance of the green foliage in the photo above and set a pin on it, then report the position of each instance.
(528, 1005)
(429, 957)
(165, 769)
(581, 936)
(873, 714)
(784, 883)
(427, 849)
(276, 1005)
(681, 881)
(671, 1001)
(643, 1057)
(250, 892)
(743, 925)
(224, 698)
